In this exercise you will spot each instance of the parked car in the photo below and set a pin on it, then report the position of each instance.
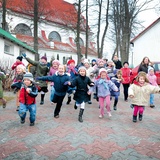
(156, 66)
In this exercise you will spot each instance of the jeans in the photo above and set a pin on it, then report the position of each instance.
(52, 93)
(24, 108)
(151, 99)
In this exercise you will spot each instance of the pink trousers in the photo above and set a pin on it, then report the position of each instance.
(101, 103)
(137, 109)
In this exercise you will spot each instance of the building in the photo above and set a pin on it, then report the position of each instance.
(56, 28)
(11, 47)
(147, 43)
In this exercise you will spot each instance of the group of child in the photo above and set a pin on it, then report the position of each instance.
(76, 79)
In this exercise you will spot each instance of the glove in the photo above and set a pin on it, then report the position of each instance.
(23, 55)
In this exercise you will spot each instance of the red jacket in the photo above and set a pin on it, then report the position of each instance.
(28, 98)
(126, 75)
(16, 64)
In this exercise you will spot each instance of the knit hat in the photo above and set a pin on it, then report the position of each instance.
(102, 70)
(28, 75)
(56, 61)
(70, 61)
(44, 57)
(100, 60)
(22, 67)
(82, 67)
(150, 68)
(20, 58)
(93, 60)
(86, 61)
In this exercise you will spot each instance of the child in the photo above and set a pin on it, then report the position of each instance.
(27, 99)
(117, 80)
(140, 91)
(2, 77)
(53, 69)
(126, 79)
(41, 70)
(73, 72)
(104, 86)
(16, 85)
(18, 62)
(153, 81)
(82, 93)
(60, 80)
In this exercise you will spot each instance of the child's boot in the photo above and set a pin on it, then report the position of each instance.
(69, 100)
(4, 102)
(80, 115)
(134, 118)
(115, 105)
(140, 117)
(42, 99)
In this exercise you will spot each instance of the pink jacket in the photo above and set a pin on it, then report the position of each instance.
(152, 79)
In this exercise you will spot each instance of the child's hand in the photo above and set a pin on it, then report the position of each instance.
(131, 96)
(89, 93)
(92, 84)
(69, 83)
(28, 90)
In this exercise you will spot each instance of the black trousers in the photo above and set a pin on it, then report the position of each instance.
(58, 99)
(125, 91)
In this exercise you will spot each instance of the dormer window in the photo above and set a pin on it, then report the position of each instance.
(23, 29)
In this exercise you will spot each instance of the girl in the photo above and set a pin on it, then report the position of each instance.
(73, 72)
(117, 80)
(126, 79)
(140, 91)
(16, 85)
(28, 93)
(103, 87)
(82, 93)
(52, 71)
(153, 81)
(60, 79)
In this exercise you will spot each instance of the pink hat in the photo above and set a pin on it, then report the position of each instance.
(102, 70)
(56, 61)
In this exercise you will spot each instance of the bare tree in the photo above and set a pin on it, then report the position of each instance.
(4, 24)
(86, 52)
(124, 17)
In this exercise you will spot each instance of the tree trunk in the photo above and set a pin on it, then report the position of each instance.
(86, 52)
(4, 14)
(36, 29)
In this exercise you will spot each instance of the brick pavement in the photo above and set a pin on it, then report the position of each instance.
(115, 138)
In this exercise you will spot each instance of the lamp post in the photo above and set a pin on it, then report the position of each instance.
(131, 49)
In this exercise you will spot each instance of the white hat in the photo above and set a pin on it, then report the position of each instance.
(82, 67)
(86, 61)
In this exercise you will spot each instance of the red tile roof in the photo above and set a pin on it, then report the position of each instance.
(57, 11)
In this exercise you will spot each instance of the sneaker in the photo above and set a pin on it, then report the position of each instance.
(32, 124)
(4, 105)
(100, 116)
(152, 106)
(75, 107)
(57, 116)
(109, 114)
(89, 102)
(17, 108)
(42, 102)
(22, 121)
(115, 108)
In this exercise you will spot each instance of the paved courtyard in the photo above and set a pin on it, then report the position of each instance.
(115, 138)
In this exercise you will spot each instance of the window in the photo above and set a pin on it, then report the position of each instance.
(80, 41)
(23, 29)
(8, 48)
(54, 36)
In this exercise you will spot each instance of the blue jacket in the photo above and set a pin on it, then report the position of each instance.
(118, 84)
(103, 86)
(60, 82)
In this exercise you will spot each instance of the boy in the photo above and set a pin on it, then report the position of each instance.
(27, 96)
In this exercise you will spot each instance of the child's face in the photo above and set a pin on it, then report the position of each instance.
(19, 70)
(27, 82)
(125, 65)
(119, 76)
(72, 64)
(141, 80)
(61, 69)
(86, 65)
(82, 72)
(103, 75)
(101, 64)
(43, 61)
(151, 72)
(55, 65)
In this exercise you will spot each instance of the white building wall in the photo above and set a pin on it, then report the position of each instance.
(147, 45)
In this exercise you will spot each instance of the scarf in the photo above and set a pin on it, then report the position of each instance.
(71, 69)
(103, 81)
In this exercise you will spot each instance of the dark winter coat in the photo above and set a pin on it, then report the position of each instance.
(28, 98)
(81, 83)
(118, 84)
(118, 64)
(60, 82)
(41, 70)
